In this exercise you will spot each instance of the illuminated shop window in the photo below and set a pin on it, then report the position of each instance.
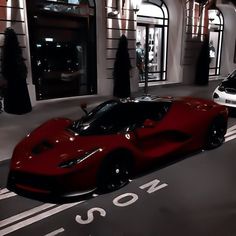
(216, 27)
(151, 37)
(63, 47)
(77, 7)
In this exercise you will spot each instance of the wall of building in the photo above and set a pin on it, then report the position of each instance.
(175, 41)
(12, 14)
(182, 49)
(192, 40)
(102, 86)
(116, 24)
(125, 23)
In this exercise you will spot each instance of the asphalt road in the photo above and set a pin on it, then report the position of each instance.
(193, 196)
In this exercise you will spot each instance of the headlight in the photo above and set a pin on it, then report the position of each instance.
(221, 88)
(75, 161)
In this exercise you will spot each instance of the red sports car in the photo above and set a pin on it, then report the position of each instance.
(116, 140)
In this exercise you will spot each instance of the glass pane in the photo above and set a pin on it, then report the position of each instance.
(213, 46)
(150, 10)
(150, 20)
(212, 72)
(68, 7)
(154, 20)
(62, 49)
(215, 40)
(213, 16)
(140, 50)
(165, 11)
(61, 68)
(154, 53)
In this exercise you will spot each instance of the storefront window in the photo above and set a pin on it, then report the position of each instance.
(215, 40)
(81, 8)
(151, 37)
(62, 45)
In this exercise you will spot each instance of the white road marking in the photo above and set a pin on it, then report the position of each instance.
(37, 218)
(56, 232)
(25, 214)
(230, 138)
(7, 195)
(231, 128)
(230, 133)
(3, 190)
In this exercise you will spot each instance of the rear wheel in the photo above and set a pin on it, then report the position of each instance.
(115, 172)
(216, 133)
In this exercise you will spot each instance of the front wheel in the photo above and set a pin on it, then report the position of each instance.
(216, 133)
(114, 174)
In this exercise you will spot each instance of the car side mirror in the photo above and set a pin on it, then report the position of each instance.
(148, 123)
(83, 106)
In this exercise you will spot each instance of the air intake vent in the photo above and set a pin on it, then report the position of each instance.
(41, 147)
(230, 90)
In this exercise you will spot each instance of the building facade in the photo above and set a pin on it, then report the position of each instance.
(70, 45)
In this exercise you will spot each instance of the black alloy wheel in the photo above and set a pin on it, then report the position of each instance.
(114, 174)
(216, 133)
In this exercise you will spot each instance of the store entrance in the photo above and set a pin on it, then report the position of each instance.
(149, 39)
(62, 54)
(216, 27)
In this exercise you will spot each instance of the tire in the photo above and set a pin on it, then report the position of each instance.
(216, 133)
(115, 172)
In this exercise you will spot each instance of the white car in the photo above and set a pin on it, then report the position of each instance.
(225, 93)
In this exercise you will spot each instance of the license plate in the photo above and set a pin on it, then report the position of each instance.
(230, 101)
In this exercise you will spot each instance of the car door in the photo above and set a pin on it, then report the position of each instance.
(155, 138)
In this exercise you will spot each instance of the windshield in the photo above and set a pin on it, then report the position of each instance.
(232, 75)
(114, 117)
(87, 124)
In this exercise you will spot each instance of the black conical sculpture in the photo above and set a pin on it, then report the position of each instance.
(121, 73)
(14, 70)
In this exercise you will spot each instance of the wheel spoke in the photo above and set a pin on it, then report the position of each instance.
(119, 176)
(216, 136)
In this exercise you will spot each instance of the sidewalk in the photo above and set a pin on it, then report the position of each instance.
(14, 127)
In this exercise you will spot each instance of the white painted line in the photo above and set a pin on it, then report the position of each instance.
(231, 128)
(3, 190)
(7, 195)
(25, 214)
(56, 232)
(230, 138)
(230, 133)
(37, 218)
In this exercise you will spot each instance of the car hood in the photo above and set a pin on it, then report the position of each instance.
(229, 83)
(49, 145)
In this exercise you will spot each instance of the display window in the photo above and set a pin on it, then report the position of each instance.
(216, 27)
(151, 41)
(62, 47)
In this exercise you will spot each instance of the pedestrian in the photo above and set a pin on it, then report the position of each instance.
(140, 60)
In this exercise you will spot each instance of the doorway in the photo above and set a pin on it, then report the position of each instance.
(62, 48)
(151, 42)
(150, 38)
(216, 28)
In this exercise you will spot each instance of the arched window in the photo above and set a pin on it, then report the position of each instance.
(216, 27)
(151, 37)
